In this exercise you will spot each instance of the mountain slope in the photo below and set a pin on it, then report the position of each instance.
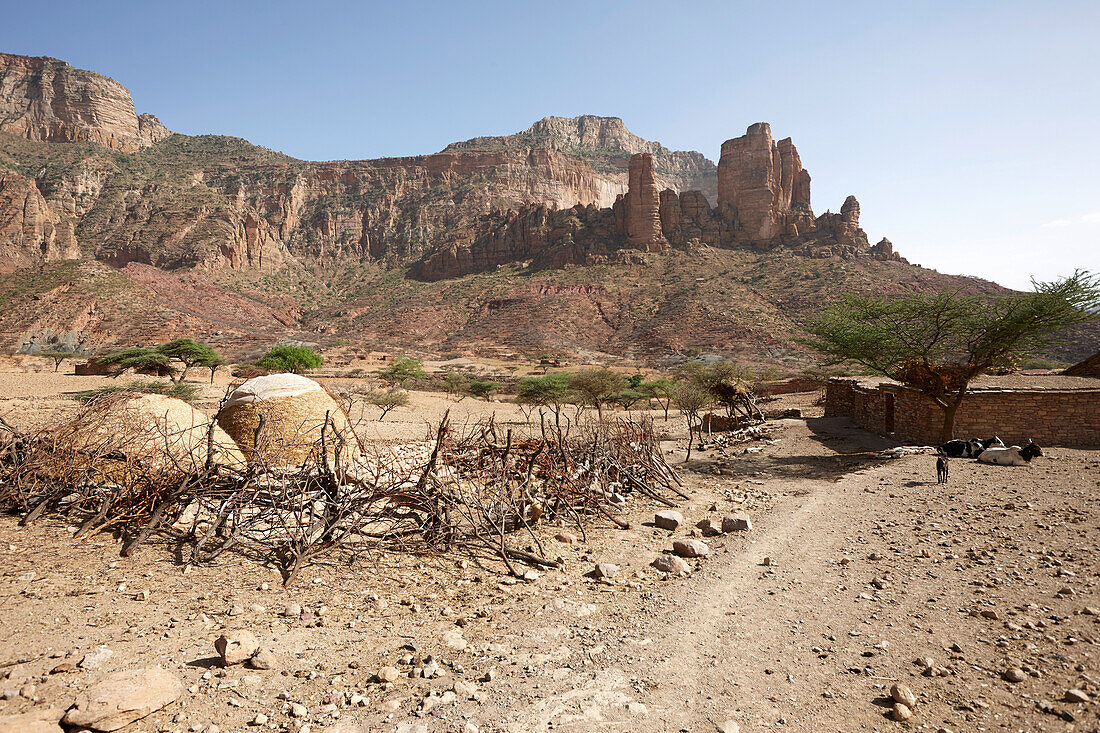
(574, 235)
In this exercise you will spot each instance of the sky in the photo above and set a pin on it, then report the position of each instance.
(969, 131)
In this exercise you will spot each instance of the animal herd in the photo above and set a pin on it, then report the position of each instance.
(986, 450)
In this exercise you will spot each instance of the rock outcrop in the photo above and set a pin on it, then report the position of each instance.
(638, 213)
(45, 99)
(565, 191)
(30, 230)
(762, 185)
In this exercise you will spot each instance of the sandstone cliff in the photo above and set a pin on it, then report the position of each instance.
(46, 99)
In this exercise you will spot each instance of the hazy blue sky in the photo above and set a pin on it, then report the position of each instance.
(968, 130)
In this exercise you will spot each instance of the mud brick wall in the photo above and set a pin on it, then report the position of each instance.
(1069, 418)
(839, 394)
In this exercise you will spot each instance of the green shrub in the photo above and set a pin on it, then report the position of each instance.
(287, 358)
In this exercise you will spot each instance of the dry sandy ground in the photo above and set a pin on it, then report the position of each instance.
(854, 568)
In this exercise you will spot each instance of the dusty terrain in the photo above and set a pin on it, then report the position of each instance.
(855, 567)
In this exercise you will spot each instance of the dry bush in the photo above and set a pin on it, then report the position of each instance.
(471, 488)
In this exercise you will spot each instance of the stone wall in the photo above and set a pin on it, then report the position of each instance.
(1060, 417)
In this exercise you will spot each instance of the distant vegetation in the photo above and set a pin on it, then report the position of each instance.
(288, 358)
(180, 391)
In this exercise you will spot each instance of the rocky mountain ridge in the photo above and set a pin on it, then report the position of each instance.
(572, 236)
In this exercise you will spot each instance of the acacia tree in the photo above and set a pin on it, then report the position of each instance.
(139, 359)
(456, 385)
(660, 389)
(57, 356)
(550, 390)
(596, 386)
(938, 344)
(690, 398)
(401, 370)
(479, 388)
(387, 400)
(212, 363)
(190, 353)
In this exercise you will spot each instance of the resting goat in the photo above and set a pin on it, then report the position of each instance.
(968, 448)
(1013, 456)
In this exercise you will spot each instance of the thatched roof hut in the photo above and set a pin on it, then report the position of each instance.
(159, 432)
(282, 420)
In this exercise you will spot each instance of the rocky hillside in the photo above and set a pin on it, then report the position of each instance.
(572, 235)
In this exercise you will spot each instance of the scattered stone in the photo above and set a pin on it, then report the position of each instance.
(36, 720)
(464, 689)
(566, 538)
(690, 548)
(738, 522)
(262, 659)
(124, 697)
(708, 528)
(902, 712)
(668, 519)
(298, 710)
(990, 614)
(606, 570)
(235, 647)
(1076, 696)
(637, 709)
(672, 565)
(62, 668)
(1014, 674)
(388, 674)
(902, 694)
(292, 611)
(728, 726)
(96, 658)
(454, 640)
(260, 719)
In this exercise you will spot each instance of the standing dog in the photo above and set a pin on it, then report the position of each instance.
(941, 469)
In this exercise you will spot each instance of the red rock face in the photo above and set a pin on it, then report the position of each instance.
(46, 99)
(29, 229)
(762, 185)
(643, 207)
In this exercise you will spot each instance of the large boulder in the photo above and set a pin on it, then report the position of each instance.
(124, 697)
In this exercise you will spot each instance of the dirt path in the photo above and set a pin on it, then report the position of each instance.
(810, 642)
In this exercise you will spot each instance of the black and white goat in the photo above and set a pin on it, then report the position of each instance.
(969, 448)
(1011, 456)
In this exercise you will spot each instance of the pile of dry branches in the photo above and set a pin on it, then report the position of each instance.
(473, 487)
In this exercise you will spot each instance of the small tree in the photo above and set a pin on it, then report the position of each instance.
(938, 344)
(57, 356)
(660, 389)
(401, 370)
(691, 399)
(388, 399)
(550, 390)
(289, 358)
(595, 386)
(456, 385)
(627, 398)
(188, 352)
(141, 360)
(482, 389)
(212, 363)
